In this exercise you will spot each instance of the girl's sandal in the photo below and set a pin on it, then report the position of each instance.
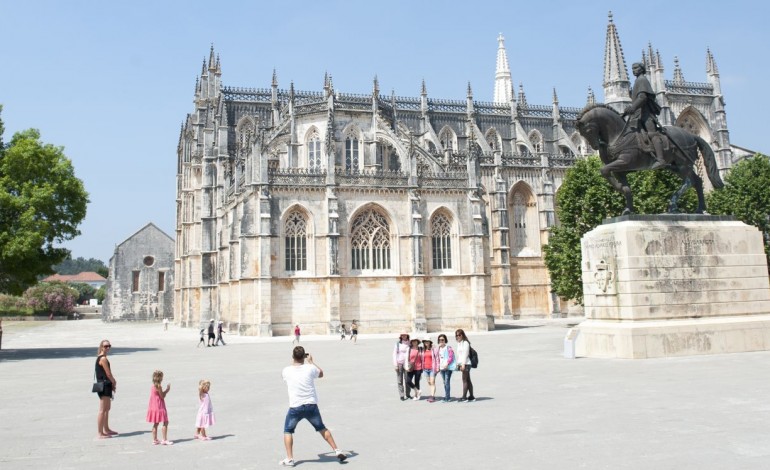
(155, 442)
(167, 443)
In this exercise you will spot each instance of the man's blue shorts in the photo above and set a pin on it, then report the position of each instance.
(297, 414)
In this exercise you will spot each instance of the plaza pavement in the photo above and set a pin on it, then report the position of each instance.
(535, 409)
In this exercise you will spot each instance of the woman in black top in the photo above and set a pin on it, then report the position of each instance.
(104, 374)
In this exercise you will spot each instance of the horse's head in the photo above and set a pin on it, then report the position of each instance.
(599, 124)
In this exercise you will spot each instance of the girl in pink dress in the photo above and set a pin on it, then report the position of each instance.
(156, 411)
(205, 416)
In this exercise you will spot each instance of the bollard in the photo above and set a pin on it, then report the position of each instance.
(569, 343)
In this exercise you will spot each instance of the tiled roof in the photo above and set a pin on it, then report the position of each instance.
(87, 276)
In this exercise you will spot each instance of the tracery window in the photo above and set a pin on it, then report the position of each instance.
(295, 236)
(370, 242)
(493, 139)
(351, 153)
(314, 151)
(537, 141)
(441, 242)
(447, 139)
(524, 223)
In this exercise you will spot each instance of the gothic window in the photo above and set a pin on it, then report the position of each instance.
(161, 281)
(493, 139)
(314, 151)
(370, 242)
(524, 224)
(441, 242)
(431, 147)
(295, 236)
(578, 143)
(447, 138)
(135, 281)
(351, 153)
(395, 163)
(537, 141)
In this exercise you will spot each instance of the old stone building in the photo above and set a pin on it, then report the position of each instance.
(140, 285)
(322, 207)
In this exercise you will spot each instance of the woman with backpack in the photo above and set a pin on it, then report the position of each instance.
(464, 364)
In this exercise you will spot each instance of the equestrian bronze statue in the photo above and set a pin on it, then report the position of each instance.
(624, 148)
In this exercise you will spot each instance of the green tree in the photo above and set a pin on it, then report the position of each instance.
(41, 204)
(100, 294)
(583, 201)
(51, 297)
(85, 291)
(746, 195)
(79, 265)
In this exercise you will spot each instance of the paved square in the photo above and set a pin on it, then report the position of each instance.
(535, 409)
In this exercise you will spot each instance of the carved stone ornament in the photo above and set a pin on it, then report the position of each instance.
(603, 276)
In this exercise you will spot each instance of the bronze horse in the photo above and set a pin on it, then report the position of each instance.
(621, 153)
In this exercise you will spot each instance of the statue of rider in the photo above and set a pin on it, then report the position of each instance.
(644, 111)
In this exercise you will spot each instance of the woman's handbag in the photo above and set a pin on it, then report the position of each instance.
(98, 387)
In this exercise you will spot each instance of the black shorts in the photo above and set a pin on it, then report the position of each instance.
(107, 391)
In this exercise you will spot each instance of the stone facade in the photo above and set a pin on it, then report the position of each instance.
(140, 285)
(322, 207)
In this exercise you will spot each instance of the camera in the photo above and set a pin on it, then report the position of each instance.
(307, 354)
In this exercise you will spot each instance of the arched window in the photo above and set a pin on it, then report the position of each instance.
(447, 138)
(370, 241)
(295, 233)
(440, 233)
(351, 153)
(314, 151)
(524, 223)
(493, 139)
(537, 141)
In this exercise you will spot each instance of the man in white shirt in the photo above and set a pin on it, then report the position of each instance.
(303, 402)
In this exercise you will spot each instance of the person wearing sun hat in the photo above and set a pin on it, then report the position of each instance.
(400, 353)
(430, 361)
(220, 332)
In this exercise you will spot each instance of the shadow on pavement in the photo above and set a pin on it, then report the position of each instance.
(131, 434)
(503, 326)
(328, 457)
(61, 353)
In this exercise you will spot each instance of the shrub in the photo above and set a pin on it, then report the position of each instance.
(11, 305)
(51, 297)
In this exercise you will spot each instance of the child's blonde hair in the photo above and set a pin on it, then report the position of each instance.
(203, 386)
(157, 378)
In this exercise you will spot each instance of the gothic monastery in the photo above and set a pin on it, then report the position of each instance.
(323, 207)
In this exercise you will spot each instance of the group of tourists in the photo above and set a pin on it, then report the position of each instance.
(413, 358)
(214, 339)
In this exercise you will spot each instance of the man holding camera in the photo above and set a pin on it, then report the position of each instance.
(303, 402)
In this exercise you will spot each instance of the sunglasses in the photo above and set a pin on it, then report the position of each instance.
(107, 346)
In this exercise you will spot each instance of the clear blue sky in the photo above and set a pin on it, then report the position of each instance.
(113, 81)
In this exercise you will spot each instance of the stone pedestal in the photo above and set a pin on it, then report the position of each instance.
(673, 285)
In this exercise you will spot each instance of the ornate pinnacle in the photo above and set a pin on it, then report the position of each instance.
(470, 91)
(275, 79)
(423, 89)
(678, 76)
(555, 98)
(591, 100)
(212, 59)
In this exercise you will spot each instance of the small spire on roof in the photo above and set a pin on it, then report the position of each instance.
(275, 78)
(555, 98)
(470, 91)
(212, 58)
(423, 89)
(678, 76)
(711, 64)
(591, 100)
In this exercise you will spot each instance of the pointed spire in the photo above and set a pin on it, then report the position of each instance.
(203, 68)
(331, 84)
(197, 85)
(326, 80)
(522, 97)
(678, 76)
(614, 62)
(503, 84)
(711, 65)
(212, 59)
(219, 66)
(555, 98)
(591, 100)
(274, 83)
(291, 90)
(423, 89)
(470, 91)
(651, 55)
(376, 86)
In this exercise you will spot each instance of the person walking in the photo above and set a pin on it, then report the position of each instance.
(156, 409)
(220, 331)
(446, 357)
(203, 338)
(464, 364)
(205, 417)
(400, 353)
(303, 403)
(165, 324)
(212, 336)
(103, 373)
(296, 334)
(415, 368)
(354, 332)
(343, 332)
(430, 363)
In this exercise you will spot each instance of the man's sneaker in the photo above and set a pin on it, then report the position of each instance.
(472, 399)
(340, 455)
(463, 399)
(431, 400)
(286, 463)
(419, 395)
(403, 398)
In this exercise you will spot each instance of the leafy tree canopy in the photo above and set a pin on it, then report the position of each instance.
(584, 200)
(79, 265)
(41, 204)
(746, 195)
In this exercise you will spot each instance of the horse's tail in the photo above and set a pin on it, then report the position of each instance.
(711, 163)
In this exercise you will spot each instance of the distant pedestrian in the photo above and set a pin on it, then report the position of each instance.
(203, 338)
(205, 416)
(156, 410)
(104, 374)
(220, 331)
(415, 368)
(343, 332)
(165, 324)
(303, 403)
(354, 332)
(446, 357)
(212, 336)
(400, 353)
(464, 364)
(296, 334)
(430, 363)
